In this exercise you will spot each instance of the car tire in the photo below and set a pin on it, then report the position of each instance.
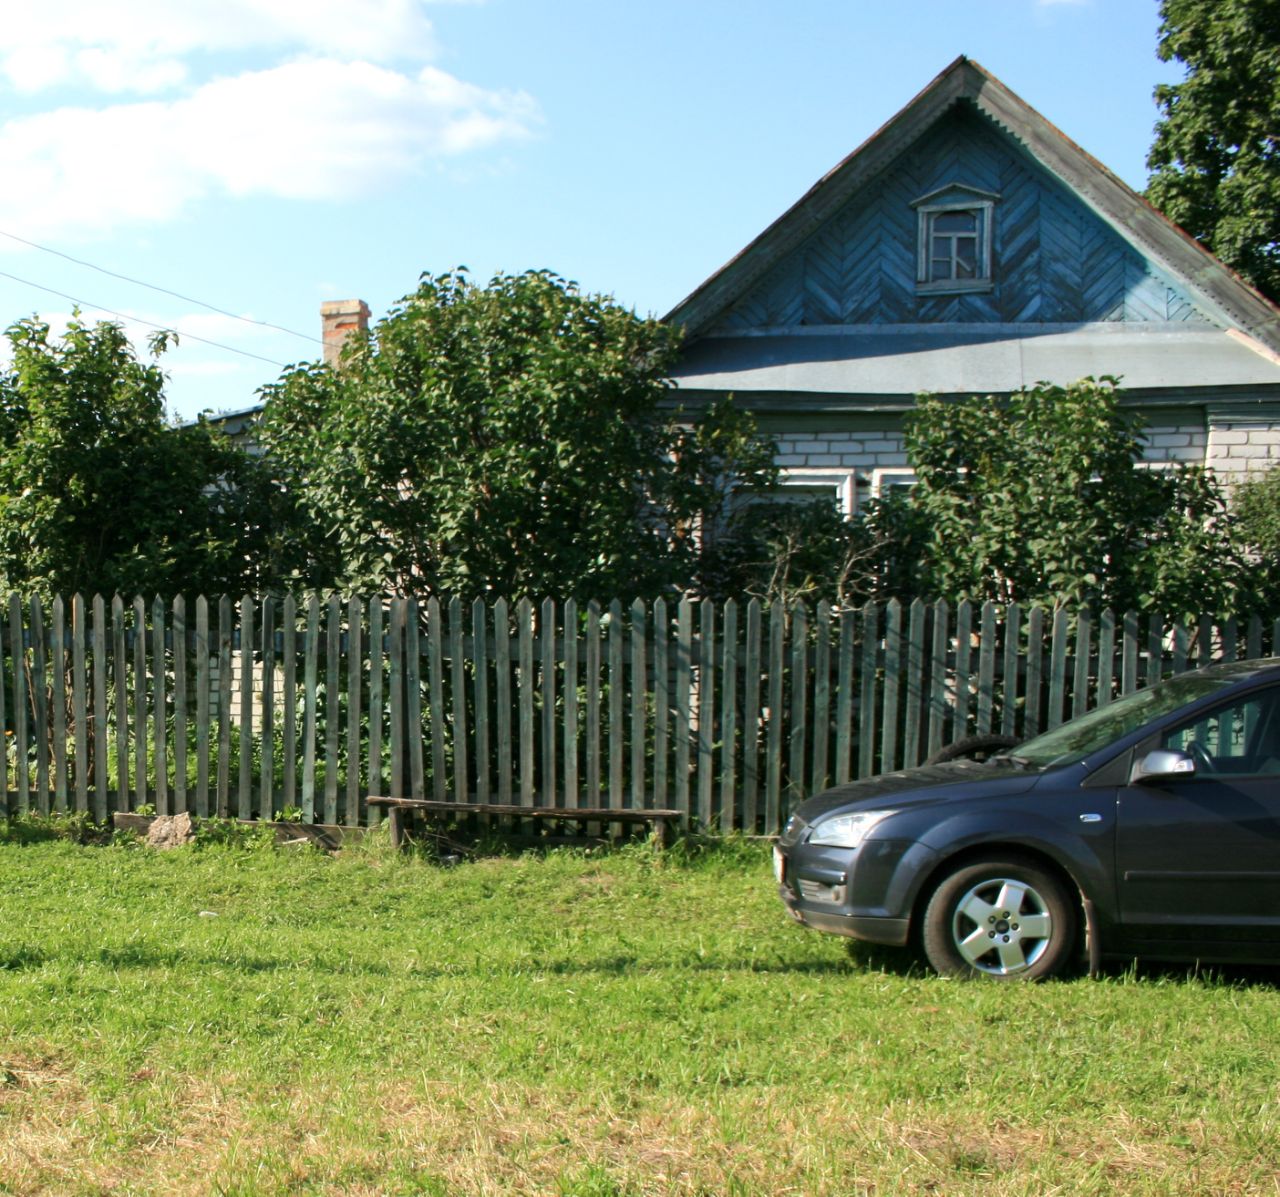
(1006, 919)
(976, 747)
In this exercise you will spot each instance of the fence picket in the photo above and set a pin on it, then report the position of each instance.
(58, 700)
(1012, 657)
(289, 706)
(845, 697)
(661, 699)
(120, 681)
(773, 761)
(458, 686)
(547, 641)
(867, 690)
(892, 672)
(591, 682)
(267, 710)
(524, 622)
(751, 719)
(355, 706)
(100, 712)
(914, 684)
(1084, 650)
(18, 662)
(938, 677)
(1106, 656)
(310, 715)
(332, 701)
(617, 690)
(964, 660)
(1129, 660)
(502, 696)
(1031, 713)
(225, 639)
(179, 627)
(818, 760)
(728, 719)
(40, 698)
(141, 726)
(202, 711)
(1058, 667)
(987, 669)
(396, 695)
(79, 705)
(480, 653)
(374, 770)
(411, 645)
(160, 720)
(706, 713)
(684, 682)
(639, 704)
(244, 725)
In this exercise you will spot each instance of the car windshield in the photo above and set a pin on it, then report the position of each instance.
(1076, 739)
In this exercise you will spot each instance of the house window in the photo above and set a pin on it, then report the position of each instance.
(886, 482)
(954, 240)
(833, 483)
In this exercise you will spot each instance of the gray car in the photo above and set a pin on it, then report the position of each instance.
(1148, 827)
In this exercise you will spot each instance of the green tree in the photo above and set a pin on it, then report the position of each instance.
(1214, 162)
(1041, 499)
(1256, 504)
(99, 494)
(519, 437)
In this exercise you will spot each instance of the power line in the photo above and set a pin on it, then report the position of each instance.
(139, 320)
(163, 290)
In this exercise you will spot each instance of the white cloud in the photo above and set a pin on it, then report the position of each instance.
(316, 129)
(143, 45)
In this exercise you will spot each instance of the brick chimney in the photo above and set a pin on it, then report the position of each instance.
(339, 318)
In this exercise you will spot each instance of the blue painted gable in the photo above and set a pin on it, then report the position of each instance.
(1054, 261)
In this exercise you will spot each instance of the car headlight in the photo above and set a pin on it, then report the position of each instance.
(847, 831)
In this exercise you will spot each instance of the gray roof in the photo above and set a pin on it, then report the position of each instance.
(906, 360)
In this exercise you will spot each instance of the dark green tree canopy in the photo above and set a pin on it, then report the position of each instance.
(518, 437)
(1215, 162)
(98, 493)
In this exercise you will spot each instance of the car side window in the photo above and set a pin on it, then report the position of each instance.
(1240, 738)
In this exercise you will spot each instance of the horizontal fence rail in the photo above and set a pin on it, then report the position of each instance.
(302, 707)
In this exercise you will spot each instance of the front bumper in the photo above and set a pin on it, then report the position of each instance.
(864, 893)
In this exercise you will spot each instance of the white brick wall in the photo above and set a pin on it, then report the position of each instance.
(1174, 442)
(1237, 448)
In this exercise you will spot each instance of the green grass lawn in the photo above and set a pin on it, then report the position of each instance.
(262, 1021)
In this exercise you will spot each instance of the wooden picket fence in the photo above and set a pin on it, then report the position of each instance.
(303, 707)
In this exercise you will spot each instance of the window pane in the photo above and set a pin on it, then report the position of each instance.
(955, 222)
(1243, 738)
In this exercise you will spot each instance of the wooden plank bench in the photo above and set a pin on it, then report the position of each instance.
(396, 809)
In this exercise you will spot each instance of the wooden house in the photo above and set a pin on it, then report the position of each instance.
(969, 247)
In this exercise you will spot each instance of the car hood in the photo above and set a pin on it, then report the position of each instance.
(953, 781)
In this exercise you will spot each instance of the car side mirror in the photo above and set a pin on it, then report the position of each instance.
(1163, 764)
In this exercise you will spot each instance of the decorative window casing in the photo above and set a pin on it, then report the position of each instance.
(953, 242)
(885, 482)
(821, 482)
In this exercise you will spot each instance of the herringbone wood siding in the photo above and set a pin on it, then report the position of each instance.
(1054, 261)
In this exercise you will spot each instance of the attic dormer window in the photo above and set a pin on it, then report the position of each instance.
(954, 240)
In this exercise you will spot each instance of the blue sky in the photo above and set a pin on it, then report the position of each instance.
(263, 156)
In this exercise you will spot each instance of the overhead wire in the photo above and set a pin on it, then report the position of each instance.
(97, 307)
(162, 290)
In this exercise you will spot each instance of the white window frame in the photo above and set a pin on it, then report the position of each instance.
(956, 197)
(888, 476)
(843, 483)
